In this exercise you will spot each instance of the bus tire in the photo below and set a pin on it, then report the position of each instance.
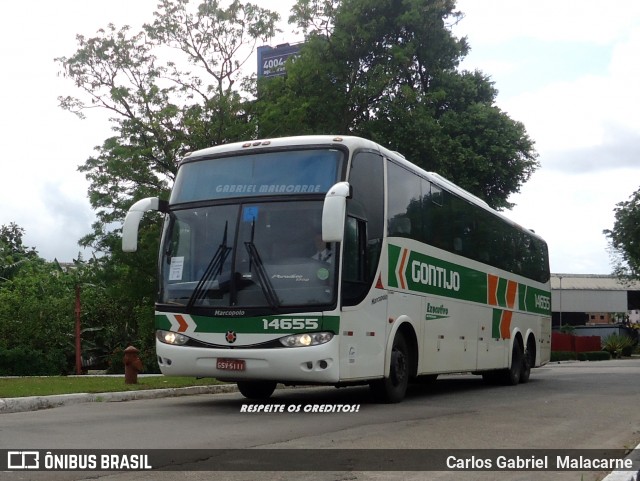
(392, 389)
(511, 376)
(256, 389)
(528, 360)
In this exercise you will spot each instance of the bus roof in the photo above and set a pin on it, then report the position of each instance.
(352, 142)
(302, 140)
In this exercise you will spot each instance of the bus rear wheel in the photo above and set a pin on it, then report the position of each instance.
(392, 389)
(256, 389)
(528, 360)
(511, 376)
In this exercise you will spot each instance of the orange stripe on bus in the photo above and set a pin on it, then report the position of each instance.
(492, 288)
(182, 323)
(512, 290)
(403, 284)
(505, 324)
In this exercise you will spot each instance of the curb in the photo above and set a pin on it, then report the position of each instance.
(35, 403)
(627, 475)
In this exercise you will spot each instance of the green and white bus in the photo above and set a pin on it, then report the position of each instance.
(333, 260)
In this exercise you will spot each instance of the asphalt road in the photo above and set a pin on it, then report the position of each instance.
(570, 405)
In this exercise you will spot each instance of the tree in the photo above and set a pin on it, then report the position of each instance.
(35, 309)
(171, 89)
(388, 70)
(624, 238)
(13, 253)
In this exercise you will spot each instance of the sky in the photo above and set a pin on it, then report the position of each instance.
(569, 72)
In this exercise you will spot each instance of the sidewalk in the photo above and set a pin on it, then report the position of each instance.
(33, 403)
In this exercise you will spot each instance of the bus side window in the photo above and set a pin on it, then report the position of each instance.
(355, 278)
(364, 226)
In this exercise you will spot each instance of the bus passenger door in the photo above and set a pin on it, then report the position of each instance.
(362, 338)
(364, 305)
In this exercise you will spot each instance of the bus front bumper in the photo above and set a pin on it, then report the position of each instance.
(311, 364)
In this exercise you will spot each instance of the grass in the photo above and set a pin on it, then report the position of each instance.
(45, 386)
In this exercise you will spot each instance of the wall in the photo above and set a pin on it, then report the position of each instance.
(568, 342)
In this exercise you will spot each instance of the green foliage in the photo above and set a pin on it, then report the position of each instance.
(594, 356)
(13, 253)
(25, 361)
(387, 70)
(37, 310)
(557, 356)
(618, 345)
(623, 238)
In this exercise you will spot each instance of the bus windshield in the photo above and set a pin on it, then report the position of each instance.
(248, 255)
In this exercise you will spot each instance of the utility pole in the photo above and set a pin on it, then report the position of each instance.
(78, 347)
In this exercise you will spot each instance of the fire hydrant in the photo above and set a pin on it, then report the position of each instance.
(132, 365)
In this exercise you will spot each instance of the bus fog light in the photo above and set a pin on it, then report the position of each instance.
(174, 338)
(306, 339)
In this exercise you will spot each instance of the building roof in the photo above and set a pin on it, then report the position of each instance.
(592, 282)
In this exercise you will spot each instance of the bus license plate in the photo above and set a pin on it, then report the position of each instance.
(231, 364)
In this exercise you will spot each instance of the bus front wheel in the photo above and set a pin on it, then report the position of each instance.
(256, 389)
(392, 389)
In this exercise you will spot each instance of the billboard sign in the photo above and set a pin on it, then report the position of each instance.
(271, 60)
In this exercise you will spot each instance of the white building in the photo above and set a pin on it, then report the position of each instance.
(585, 299)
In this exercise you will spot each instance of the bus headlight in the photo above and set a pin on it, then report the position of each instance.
(306, 339)
(173, 338)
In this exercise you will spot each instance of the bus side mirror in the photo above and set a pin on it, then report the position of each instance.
(334, 211)
(132, 221)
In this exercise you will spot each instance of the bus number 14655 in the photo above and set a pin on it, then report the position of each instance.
(289, 324)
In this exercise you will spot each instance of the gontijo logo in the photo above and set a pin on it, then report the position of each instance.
(418, 272)
(424, 273)
(431, 275)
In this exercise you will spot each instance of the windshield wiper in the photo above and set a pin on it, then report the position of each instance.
(213, 270)
(263, 278)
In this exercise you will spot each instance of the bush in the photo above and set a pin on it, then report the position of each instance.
(25, 361)
(594, 356)
(563, 356)
(116, 362)
(618, 345)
